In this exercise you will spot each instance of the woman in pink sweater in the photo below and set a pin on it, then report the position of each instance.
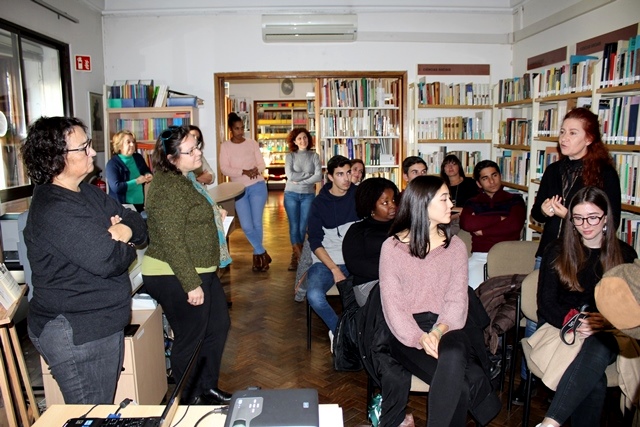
(241, 160)
(423, 287)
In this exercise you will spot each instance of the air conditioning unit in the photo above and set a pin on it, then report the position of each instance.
(309, 28)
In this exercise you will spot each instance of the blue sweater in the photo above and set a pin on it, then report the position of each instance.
(118, 174)
(329, 219)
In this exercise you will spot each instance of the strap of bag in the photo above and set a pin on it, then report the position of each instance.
(568, 331)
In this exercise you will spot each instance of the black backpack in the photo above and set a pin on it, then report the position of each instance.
(346, 354)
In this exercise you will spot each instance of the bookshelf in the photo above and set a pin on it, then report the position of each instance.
(146, 124)
(453, 117)
(242, 107)
(361, 116)
(274, 120)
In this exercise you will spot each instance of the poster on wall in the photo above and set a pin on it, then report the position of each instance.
(97, 121)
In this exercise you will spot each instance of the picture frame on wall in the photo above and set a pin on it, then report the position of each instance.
(96, 121)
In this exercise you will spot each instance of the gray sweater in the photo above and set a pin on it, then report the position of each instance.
(303, 171)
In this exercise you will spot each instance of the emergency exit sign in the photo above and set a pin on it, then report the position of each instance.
(83, 63)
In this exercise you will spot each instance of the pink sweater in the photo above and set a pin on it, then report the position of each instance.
(410, 285)
(236, 157)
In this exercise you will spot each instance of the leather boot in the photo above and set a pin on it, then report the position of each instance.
(293, 266)
(258, 263)
(266, 259)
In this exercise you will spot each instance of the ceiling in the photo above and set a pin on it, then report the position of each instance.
(155, 7)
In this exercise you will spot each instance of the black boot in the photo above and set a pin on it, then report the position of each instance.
(217, 396)
(518, 395)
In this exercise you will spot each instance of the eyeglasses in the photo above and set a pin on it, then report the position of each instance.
(167, 134)
(86, 147)
(591, 220)
(198, 147)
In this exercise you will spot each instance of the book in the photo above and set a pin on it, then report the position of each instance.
(9, 288)
(160, 98)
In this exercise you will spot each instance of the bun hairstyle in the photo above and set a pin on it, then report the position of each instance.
(232, 118)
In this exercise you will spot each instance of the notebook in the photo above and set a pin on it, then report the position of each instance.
(162, 421)
(274, 408)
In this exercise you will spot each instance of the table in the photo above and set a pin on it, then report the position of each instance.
(56, 415)
(12, 354)
(226, 192)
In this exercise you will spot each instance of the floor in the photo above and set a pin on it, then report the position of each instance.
(267, 342)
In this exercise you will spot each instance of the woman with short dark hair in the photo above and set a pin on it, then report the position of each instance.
(80, 244)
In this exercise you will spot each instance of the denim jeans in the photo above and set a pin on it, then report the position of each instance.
(297, 206)
(531, 326)
(250, 209)
(86, 373)
(319, 281)
(583, 386)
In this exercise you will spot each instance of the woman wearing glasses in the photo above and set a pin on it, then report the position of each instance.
(80, 244)
(127, 172)
(179, 267)
(204, 174)
(242, 161)
(571, 268)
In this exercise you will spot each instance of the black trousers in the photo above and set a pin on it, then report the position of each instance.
(209, 321)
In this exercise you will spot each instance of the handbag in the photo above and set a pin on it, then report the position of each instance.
(573, 320)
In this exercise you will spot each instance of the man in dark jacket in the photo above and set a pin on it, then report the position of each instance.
(332, 213)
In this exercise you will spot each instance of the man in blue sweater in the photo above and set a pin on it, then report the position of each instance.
(332, 213)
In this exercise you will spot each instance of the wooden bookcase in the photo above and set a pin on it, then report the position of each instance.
(146, 124)
(361, 115)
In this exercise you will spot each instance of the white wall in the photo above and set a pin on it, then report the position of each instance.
(185, 51)
(84, 38)
(615, 15)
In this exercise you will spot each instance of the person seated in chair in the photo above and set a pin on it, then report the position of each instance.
(491, 217)
(332, 213)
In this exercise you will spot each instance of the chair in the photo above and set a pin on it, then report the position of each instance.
(331, 292)
(507, 258)
(466, 238)
(529, 307)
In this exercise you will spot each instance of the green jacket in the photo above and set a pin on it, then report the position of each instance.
(182, 230)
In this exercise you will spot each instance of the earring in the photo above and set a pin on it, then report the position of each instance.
(373, 213)
(604, 229)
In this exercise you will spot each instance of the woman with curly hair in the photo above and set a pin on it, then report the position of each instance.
(303, 169)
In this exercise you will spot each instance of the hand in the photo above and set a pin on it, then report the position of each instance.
(593, 323)
(429, 342)
(478, 233)
(251, 173)
(553, 206)
(205, 177)
(223, 214)
(196, 296)
(141, 180)
(148, 177)
(120, 232)
(338, 276)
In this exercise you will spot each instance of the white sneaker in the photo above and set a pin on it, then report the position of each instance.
(331, 341)
(544, 425)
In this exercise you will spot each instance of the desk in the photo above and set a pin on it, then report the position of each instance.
(56, 415)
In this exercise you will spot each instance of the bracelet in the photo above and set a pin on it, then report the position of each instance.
(435, 329)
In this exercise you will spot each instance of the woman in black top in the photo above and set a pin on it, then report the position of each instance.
(571, 268)
(461, 188)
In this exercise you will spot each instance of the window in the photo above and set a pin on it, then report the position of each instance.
(34, 81)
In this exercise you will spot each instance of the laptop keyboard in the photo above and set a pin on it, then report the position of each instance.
(114, 422)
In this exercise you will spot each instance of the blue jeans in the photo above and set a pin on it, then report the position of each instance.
(319, 281)
(250, 208)
(297, 206)
(530, 328)
(583, 386)
(87, 373)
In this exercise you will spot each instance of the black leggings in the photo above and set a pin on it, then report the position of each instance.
(449, 392)
(209, 321)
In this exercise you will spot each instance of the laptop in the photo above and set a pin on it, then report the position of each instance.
(274, 408)
(163, 420)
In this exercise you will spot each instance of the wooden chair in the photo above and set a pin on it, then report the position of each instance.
(507, 258)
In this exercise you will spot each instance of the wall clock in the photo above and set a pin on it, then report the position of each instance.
(286, 87)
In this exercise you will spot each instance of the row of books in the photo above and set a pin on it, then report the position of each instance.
(150, 129)
(359, 93)
(628, 167)
(457, 127)
(434, 160)
(343, 123)
(545, 158)
(621, 63)
(515, 131)
(392, 174)
(516, 88)
(373, 152)
(240, 105)
(127, 94)
(630, 230)
(284, 116)
(440, 93)
(514, 166)
(619, 120)
(550, 120)
(576, 76)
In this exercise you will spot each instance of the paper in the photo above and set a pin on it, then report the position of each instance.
(227, 224)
